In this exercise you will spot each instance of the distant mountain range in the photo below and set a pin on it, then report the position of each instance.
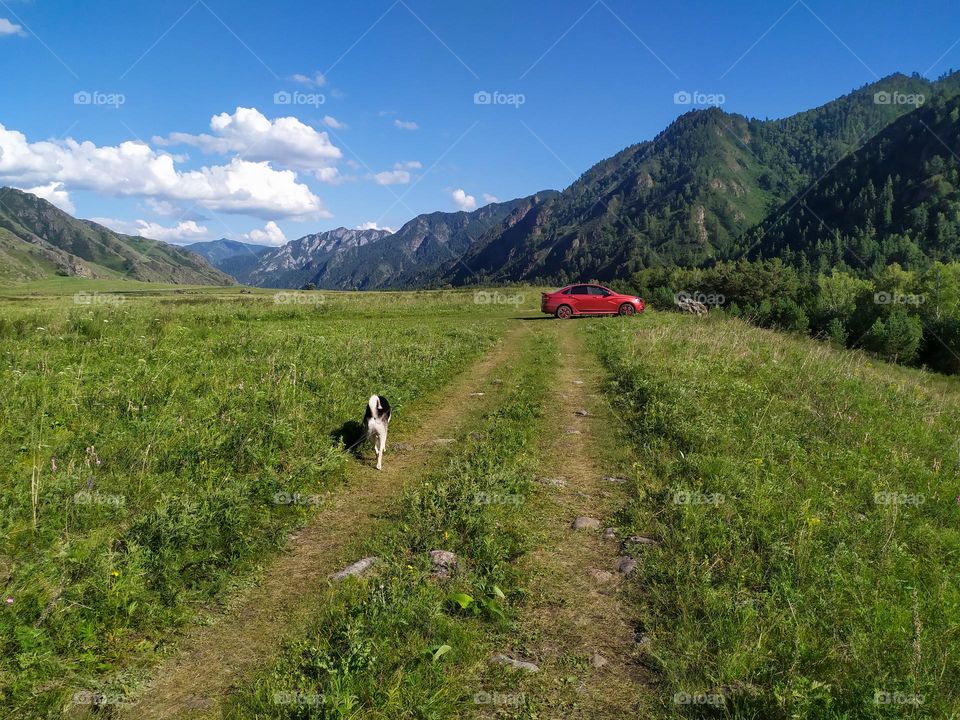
(867, 179)
(38, 240)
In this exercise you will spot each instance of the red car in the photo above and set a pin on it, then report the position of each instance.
(588, 300)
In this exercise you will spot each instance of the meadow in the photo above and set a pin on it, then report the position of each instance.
(161, 447)
(146, 440)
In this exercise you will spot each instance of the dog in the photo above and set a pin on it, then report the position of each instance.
(376, 420)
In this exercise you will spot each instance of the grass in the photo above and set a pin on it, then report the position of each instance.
(404, 644)
(144, 443)
(805, 500)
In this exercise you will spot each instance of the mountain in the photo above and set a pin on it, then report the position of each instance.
(234, 258)
(365, 259)
(38, 240)
(685, 197)
(303, 260)
(896, 199)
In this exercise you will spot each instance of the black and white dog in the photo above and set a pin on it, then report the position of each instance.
(376, 420)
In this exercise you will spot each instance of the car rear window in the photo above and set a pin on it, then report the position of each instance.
(580, 290)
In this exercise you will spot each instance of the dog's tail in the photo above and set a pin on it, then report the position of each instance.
(374, 404)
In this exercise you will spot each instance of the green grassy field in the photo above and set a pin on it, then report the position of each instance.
(804, 502)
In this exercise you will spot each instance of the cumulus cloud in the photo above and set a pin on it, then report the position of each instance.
(9, 28)
(488, 198)
(463, 201)
(183, 232)
(285, 141)
(373, 226)
(332, 122)
(406, 124)
(134, 169)
(391, 177)
(400, 175)
(270, 235)
(55, 193)
(318, 79)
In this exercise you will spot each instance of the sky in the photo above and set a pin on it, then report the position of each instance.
(189, 120)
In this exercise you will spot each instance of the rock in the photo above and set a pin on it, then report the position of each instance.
(554, 481)
(401, 447)
(642, 540)
(610, 533)
(477, 394)
(571, 431)
(357, 568)
(688, 305)
(577, 382)
(601, 576)
(585, 523)
(444, 562)
(612, 479)
(581, 413)
(626, 564)
(501, 659)
(440, 441)
(598, 660)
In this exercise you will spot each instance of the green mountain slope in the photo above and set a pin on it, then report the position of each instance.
(897, 199)
(685, 197)
(38, 239)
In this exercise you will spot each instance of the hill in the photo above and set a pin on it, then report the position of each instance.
(39, 240)
(686, 196)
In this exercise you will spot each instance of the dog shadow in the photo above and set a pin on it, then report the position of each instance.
(350, 437)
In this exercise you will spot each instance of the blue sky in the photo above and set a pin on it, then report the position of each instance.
(197, 119)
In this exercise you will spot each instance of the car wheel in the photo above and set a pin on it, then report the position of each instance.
(627, 309)
(564, 312)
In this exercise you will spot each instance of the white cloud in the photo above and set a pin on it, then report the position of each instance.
(373, 226)
(400, 175)
(270, 235)
(316, 80)
(463, 201)
(285, 141)
(183, 232)
(391, 177)
(134, 169)
(488, 198)
(55, 193)
(406, 124)
(332, 122)
(9, 28)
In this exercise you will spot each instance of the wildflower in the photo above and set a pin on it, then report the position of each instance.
(9, 601)
(410, 568)
(116, 573)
